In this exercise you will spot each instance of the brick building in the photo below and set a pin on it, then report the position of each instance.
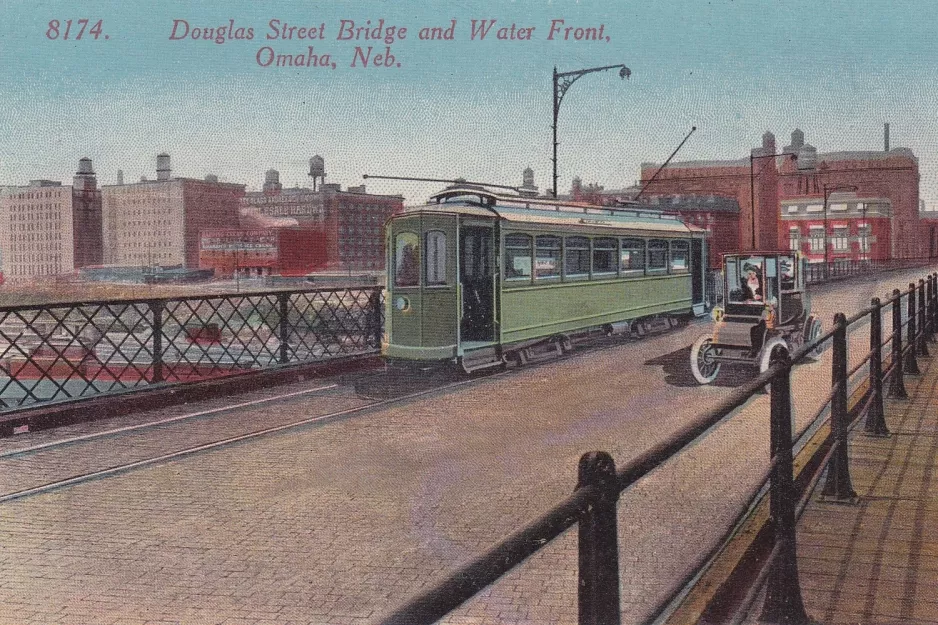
(768, 193)
(352, 221)
(158, 222)
(48, 229)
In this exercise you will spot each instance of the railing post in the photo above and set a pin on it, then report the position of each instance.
(875, 418)
(374, 303)
(838, 485)
(896, 381)
(283, 327)
(921, 345)
(932, 288)
(783, 602)
(156, 309)
(598, 544)
(911, 364)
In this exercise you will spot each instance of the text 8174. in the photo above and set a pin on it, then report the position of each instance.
(74, 29)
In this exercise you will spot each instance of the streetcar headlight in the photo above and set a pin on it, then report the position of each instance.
(402, 304)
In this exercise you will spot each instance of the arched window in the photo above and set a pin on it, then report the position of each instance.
(407, 259)
(577, 257)
(518, 257)
(680, 256)
(657, 256)
(604, 256)
(547, 257)
(436, 257)
(633, 257)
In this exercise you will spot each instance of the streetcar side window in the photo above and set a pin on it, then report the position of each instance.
(436, 257)
(657, 256)
(407, 259)
(547, 257)
(633, 257)
(680, 255)
(604, 256)
(576, 257)
(518, 257)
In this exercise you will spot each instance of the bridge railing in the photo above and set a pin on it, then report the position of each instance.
(592, 506)
(73, 350)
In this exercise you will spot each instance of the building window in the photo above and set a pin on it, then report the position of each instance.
(577, 257)
(657, 256)
(816, 235)
(840, 206)
(604, 256)
(518, 257)
(680, 255)
(792, 208)
(436, 257)
(863, 234)
(407, 259)
(794, 238)
(839, 238)
(547, 257)
(815, 208)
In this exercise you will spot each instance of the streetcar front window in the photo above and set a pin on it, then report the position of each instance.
(436, 257)
(407, 259)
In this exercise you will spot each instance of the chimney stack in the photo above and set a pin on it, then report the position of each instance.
(120, 176)
(886, 136)
(163, 169)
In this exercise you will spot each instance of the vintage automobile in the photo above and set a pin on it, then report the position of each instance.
(765, 304)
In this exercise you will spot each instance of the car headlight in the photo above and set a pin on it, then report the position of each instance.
(717, 313)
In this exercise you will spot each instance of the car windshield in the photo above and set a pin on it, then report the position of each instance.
(746, 278)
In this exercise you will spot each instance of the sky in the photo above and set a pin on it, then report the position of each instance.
(477, 109)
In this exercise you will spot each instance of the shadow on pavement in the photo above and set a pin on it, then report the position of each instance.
(676, 366)
(392, 383)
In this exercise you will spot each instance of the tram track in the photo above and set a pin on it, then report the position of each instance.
(47, 467)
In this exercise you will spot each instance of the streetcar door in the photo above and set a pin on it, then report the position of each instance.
(476, 268)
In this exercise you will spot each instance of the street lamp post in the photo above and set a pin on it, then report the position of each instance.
(827, 194)
(562, 82)
(752, 191)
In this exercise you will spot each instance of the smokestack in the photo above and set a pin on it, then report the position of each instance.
(120, 176)
(886, 136)
(162, 166)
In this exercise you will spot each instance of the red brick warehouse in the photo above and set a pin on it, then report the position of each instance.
(873, 199)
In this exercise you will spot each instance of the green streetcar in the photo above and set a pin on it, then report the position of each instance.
(479, 279)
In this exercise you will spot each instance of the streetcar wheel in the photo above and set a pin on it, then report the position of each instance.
(703, 363)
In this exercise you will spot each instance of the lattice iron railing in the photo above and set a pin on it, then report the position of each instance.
(67, 351)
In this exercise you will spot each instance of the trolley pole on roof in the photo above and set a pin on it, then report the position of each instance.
(562, 82)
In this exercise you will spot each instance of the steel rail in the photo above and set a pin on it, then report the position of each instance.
(151, 424)
(124, 468)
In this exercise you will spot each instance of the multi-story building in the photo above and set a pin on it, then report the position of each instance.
(858, 228)
(766, 188)
(158, 222)
(352, 220)
(48, 229)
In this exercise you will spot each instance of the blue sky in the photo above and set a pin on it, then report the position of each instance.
(475, 109)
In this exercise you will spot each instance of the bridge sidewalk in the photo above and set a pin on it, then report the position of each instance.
(876, 561)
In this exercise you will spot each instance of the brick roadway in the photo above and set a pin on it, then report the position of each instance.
(338, 523)
(877, 561)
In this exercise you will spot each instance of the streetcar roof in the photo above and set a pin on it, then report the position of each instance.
(581, 215)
